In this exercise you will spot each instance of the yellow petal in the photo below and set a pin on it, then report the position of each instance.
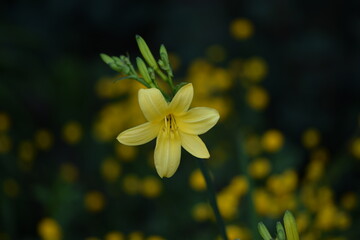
(152, 103)
(194, 145)
(182, 99)
(167, 153)
(140, 134)
(197, 120)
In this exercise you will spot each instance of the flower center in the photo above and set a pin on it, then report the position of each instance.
(170, 123)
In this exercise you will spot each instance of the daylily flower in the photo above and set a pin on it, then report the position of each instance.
(174, 125)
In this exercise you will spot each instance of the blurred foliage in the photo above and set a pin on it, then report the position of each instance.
(284, 77)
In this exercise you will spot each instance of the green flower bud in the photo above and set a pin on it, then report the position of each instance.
(145, 51)
(107, 59)
(280, 231)
(143, 70)
(290, 226)
(263, 231)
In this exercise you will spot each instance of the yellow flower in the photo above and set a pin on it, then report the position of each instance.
(174, 125)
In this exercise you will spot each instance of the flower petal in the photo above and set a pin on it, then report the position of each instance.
(140, 134)
(167, 153)
(182, 99)
(197, 120)
(152, 103)
(194, 145)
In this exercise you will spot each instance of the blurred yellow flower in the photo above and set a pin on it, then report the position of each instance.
(311, 138)
(11, 188)
(110, 169)
(349, 201)
(4, 122)
(43, 139)
(49, 229)
(131, 184)
(255, 69)
(355, 148)
(197, 180)
(114, 236)
(259, 168)
(201, 212)
(236, 232)
(135, 236)
(94, 201)
(68, 172)
(257, 98)
(155, 237)
(173, 125)
(26, 151)
(72, 132)
(239, 185)
(241, 28)
(5, 143)
(125, 153)
(272, 140)
(151, 187)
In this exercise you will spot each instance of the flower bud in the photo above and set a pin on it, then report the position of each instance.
(145, 51)
(107, 59)
(280, 231)
(143, 70)
(263, 231)
(290, 226)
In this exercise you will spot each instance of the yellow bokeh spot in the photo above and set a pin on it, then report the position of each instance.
(272, 140)
(343, 220)
(151, 187)
(241, 28)
(26, 151)
(11, 188)
(49, 229)
(110, 169)
(259, 168)
(262, 201)
(43, 139)
(236, 232)
(239, 185)
(302, 222)
(135, 236)
(5, 143)
(253, 145)
(94, 201)
(315, 170)
(68, 172)
(72, 132)
(228, 204)
(311, 138)
(197, 181)
(220, 80)
(201, 212)
(125, 153)
(257, 98)
(255, 69)
(131, 184)
(114, 236)
(326, 217)
(355, 148)
(216, 53)
(155, 237)
(4, 122)
(349, 201)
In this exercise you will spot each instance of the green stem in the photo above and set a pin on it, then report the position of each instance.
(166, 79)
(212, 198)
(244, 161)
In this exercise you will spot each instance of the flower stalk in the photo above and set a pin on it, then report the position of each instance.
(212, 198)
